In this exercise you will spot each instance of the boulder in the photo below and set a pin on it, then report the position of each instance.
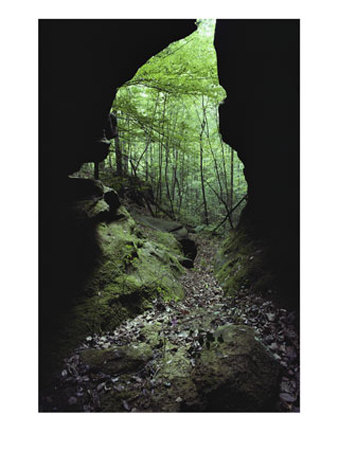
(236, 373)
(91, 200)
(178, 230)
(178, 390)
(117, 359)
(132, 271)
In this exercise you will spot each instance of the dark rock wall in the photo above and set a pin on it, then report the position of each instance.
(81, 65)
(258, 65)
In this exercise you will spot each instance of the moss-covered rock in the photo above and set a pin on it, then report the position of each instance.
(176, 229)
(92, 200)
(177, 391)
(117, 359)
(150, 333)
(236, 373)
(133, 269)
(233, 373)
(131, 188)
(242, 262)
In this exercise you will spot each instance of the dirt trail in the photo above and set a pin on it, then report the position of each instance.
(185, 323)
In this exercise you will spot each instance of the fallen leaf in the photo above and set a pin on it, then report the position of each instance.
(287, 397)
(100, 386)
(273, 346)
(270, 316)
(125, 405)
(72, 400)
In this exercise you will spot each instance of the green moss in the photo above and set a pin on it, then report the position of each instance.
(135, 267)
(117, 359)
(242, 263)
(175, 372)
(167, 240)
(112, 401)
(151, 333)
(238, 373)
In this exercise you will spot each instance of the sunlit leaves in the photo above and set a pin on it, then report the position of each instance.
(160, 112)
(185, 67)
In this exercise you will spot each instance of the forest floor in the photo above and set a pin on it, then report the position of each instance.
(185, 323)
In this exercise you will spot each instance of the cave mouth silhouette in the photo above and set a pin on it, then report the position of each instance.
(132, 116)
(82, 63)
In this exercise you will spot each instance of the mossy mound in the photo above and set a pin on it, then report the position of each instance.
(130, 187)
(133, 268)
(117, 359)
(178, 390)
(233, 373)
(176, 229)
(236, 373)
(242, 262)
(150, 333)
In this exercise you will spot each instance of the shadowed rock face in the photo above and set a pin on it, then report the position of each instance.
(81, 65)
(237, 373)
(258, 65)
(179, 231)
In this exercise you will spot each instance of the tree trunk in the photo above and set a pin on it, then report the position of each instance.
(160, 157)
(225, 171)
(205, 206)
(118, 156)
(147, 166)
(232, 179)
(167, 179)
(96, 170)
(214, 158)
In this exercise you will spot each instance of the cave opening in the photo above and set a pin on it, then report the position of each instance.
(165, 136)
(149, 266)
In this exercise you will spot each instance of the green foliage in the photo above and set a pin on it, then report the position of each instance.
(186, 67)
(168, 134)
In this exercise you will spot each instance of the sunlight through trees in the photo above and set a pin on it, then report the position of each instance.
(168, 136)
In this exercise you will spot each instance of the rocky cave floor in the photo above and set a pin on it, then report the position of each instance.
(189, 323)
